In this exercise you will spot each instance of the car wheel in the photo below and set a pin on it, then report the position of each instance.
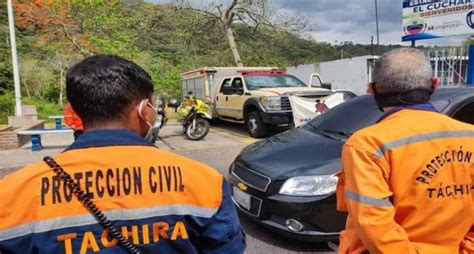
(255, 125)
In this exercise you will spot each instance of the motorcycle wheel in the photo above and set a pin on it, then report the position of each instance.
(201, 129)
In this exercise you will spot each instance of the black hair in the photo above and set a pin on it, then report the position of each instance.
(102, 88)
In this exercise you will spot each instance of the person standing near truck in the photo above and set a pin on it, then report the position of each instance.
(407, 181)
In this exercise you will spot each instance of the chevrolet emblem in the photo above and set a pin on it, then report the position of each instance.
(242, 186)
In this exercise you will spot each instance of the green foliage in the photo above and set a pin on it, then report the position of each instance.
(6, 73)
(165, 40)
(7, 106)
(44, 108)
(469, 41)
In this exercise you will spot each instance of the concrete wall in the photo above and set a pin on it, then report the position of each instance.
(350, 73)
(353, 73)
(303, 72)
(9, 139)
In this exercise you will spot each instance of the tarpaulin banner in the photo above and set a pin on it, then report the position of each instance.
(306, 109)
(427, 19)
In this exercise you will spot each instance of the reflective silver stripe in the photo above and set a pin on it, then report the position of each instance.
(88, 219)
(228, 110)
(422, 137)
(383, 202)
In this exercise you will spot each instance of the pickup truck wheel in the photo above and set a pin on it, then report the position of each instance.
(255, 125)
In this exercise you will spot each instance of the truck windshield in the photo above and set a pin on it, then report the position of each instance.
(272, 81)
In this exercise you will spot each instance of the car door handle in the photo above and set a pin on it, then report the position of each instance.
(217, 98)
(227, 98)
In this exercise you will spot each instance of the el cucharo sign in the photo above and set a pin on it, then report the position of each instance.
(428, 19)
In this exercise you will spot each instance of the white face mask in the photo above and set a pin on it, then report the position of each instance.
(149, 134)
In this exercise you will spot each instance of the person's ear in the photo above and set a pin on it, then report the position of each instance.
(370, 89)
(436, 82)
(141, 108)
(148, 113)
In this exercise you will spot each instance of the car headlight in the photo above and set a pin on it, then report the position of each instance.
(309, 185)
(271, 103)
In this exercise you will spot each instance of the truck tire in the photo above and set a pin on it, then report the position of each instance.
(255, 125)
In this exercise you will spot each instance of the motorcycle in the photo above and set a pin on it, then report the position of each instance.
(161, 120)
(195, 118)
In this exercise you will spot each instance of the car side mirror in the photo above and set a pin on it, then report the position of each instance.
(326, 85)
(239, 91)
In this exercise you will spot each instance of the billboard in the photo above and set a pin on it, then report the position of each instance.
(428, 19)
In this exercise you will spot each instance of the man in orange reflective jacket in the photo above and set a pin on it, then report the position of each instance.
(159, 201)
(73, 120)
(407, 181)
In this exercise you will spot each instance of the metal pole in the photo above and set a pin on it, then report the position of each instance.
(413, 43)
(460, 76)
(16, 75)
(377, 25)
(470, 67)
(371, 45)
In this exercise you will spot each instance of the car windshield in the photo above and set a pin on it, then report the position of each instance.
(346, 118)
(255, 82)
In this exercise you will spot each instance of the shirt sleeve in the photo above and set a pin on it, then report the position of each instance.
(367, 197)
(224, 233)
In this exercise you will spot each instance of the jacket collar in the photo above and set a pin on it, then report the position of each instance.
(108, 137)
(423, 106)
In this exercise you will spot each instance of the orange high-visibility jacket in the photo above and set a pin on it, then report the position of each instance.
(162, 202)
(72, 119)
(407, 183)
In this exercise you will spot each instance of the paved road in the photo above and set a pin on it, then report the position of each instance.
(218, 150)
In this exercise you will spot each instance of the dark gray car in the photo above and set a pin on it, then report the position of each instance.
(264, 172)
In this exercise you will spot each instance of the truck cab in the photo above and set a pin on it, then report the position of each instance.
(260, 99)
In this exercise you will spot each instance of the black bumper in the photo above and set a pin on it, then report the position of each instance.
(322, 222)
(285, 118)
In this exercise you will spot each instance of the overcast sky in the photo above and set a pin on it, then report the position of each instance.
(349, 20)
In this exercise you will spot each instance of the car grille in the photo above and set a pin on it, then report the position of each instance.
(251, 178)
(285, 103)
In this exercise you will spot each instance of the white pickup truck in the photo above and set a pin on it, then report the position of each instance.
(254, 96)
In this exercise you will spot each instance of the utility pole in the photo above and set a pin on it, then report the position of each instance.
(371, 45)
(16, 75)
(377, 25)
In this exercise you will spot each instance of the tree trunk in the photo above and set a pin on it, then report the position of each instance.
(27, 88)
(233, 47)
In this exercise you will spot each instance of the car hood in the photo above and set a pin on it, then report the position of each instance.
(293, 90)
(296, 152)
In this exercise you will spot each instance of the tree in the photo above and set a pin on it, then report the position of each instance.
(53, 21)
(6, 73)
(36, 76)
(248, 12)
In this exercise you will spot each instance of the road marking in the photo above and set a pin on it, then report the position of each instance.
(247, 139)
(250, 140)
